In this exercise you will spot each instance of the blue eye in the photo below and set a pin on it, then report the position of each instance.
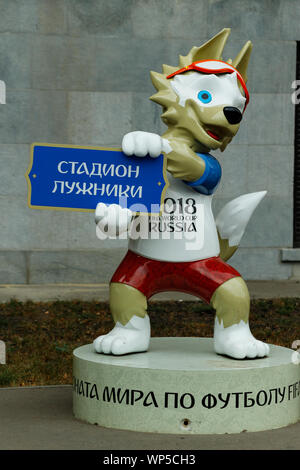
(204, 96)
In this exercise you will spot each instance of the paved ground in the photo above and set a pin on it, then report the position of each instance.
(41, 418)
(46, 292)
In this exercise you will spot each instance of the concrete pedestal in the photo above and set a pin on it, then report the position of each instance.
(181, 386)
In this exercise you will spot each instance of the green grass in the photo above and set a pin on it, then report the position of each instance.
(40, 337)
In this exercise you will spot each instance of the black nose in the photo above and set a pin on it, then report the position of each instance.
(233, 115)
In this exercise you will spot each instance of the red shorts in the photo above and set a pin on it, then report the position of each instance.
(199, 278)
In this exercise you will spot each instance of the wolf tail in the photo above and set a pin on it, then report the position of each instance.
(232, 221)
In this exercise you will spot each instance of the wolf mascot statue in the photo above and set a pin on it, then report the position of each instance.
(203, 103)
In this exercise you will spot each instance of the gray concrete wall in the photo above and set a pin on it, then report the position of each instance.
(77, 72)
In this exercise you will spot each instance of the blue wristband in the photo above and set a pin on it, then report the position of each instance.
(211, 177)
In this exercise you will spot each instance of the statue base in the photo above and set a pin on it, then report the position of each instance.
(181, 386)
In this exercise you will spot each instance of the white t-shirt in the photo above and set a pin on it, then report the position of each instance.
(185, 231)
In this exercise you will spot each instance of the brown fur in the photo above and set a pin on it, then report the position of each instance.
(186, 125)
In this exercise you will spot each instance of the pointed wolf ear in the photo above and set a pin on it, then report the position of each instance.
(211, 50)
(242, 59)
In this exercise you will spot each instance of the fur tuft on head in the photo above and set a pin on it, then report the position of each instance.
(211, 50)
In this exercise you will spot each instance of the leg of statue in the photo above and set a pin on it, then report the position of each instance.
(132, 325)
(232, 335)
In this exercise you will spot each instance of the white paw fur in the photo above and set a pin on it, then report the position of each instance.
(133, 337)
(238, 342)
(112, 220)
(140, 144)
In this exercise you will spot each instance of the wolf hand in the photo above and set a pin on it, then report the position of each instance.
(112, 220)
(140, 144)
(234, 217)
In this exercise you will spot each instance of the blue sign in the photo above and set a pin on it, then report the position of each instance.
(78, 178)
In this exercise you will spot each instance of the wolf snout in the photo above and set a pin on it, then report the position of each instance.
(233, 115)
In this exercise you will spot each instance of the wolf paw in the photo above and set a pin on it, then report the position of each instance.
(140, 144)
(238, 342)
(131, 338)
(112, 220)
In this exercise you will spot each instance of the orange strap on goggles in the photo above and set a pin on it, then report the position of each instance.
(216, 67)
